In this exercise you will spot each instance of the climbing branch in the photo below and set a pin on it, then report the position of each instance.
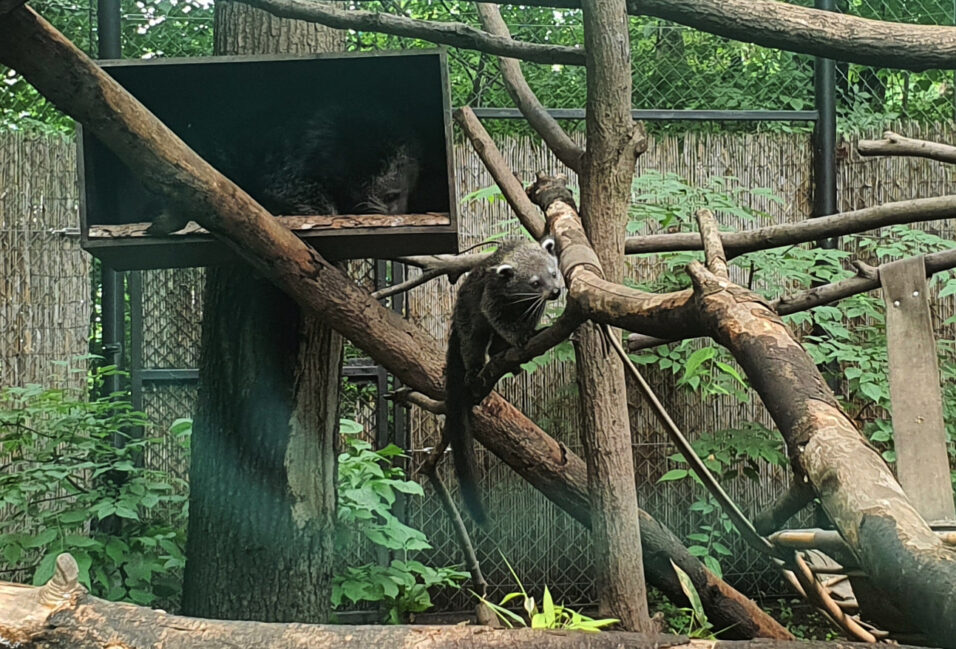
(433, 267)
(895, 546)
(867, 279)
(447, 33)
(897, 145)
(75, 619)
(497, 166)
(524, 98)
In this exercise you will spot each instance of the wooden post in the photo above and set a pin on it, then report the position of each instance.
(922, 463)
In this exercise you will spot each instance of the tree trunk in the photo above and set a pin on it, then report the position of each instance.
(262, 477)
(605, 194)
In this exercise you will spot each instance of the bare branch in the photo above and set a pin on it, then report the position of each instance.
(785, 26)
(867, 280)
(433, 267)
(785, 507)
(498, 167)
(715, 258)
(447, 33)
(897, 145)
(524, 98)
(788, 234)
(408, 396)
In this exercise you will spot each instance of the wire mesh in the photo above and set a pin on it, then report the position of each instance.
(871, 97)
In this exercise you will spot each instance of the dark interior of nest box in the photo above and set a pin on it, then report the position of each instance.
(233, 109)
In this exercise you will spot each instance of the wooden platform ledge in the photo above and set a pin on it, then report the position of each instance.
(62, 614)
(294, 223)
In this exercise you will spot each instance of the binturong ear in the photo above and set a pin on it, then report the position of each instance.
(548, 244)
(505, 270)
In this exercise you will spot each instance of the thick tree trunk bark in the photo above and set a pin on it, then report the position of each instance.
(608, 167)
(262, 478)
(896, 548)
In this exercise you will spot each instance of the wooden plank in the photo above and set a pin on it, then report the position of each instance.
(311, 223)
(922, 463)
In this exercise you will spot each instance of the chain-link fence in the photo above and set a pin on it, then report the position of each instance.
(674, 67)
(871, 97)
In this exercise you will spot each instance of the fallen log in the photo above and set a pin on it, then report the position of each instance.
(62, 614)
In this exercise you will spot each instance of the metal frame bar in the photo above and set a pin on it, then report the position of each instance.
(671, 115)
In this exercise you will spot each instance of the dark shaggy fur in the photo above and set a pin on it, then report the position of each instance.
(499, 306)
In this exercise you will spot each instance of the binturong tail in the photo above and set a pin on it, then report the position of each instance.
(458, 405)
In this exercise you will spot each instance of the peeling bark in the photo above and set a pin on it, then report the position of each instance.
(897, 549)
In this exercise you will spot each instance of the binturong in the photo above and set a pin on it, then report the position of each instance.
(499, 306)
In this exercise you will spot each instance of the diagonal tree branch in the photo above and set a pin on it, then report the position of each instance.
(524, 98)
(448, 33)
(894, 144)
(497, 166)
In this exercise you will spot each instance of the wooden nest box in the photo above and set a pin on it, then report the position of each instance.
(328, 143)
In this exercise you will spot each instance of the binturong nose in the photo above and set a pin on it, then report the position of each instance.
(555, 293)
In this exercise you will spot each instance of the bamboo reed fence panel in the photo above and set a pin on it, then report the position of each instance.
(44, 276)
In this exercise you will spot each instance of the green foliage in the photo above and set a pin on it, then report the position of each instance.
(368, 486)
(803, 620)
(697, 625)
(66, 474)
(548, 616)
(729, 454)
(847, 341)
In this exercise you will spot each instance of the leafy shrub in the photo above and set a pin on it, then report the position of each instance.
(368, 487)
(73, 481)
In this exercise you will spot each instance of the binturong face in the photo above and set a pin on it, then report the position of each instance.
(531, 277)
(388, 190)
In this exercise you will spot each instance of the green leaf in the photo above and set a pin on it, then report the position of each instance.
(12, 553)
(41, 539)
(698, 357)
(674, 474)
(690, 591)
(45, 569)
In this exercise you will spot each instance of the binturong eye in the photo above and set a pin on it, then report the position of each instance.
(536, 283)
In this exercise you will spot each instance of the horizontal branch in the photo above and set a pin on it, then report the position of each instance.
(455, 34)
(62, 614)
(788, 234)
(786, 26)
(433, 267)
(867, 280)
(897, 145)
